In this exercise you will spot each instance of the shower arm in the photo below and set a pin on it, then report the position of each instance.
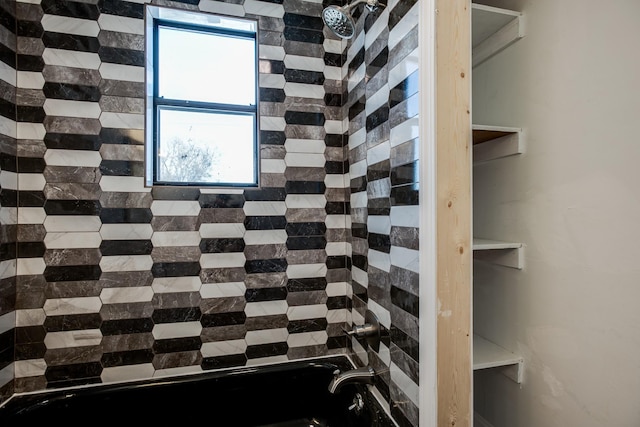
(372, 4)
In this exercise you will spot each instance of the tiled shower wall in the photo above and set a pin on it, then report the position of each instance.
(117, 281)
(8, 194)
(382, 87)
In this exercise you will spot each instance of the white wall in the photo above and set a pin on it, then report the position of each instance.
(573, 85)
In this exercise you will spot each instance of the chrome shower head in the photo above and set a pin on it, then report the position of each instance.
(339, 19)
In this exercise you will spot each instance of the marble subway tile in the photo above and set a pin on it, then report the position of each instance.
(163, 285)
(81, 338)
(176, 330)
(126, 263)
(266, 308)
(121, 24)
(69, 306)
(266, 336)
(223, 348)
(221, 7)
(175, 238)
(223, 290)
(66, 239)
(71, 75)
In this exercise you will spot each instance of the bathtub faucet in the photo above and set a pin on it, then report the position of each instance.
(365, 375)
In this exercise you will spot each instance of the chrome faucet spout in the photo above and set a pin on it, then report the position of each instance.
(365, 375)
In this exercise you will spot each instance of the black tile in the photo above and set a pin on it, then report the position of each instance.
(405, 195)
(306, 243)
(8, 109)
(378, 63)
(379, 242)
(304, 76)
(338, 168)
(72, 322)
(211, 320)
(381, 206)
(303, 35)
(270, 66)
(29, 334)
(9, 198)
(176, 314)
(126, 216)
(405, 343)
(380, 170)
(405, 174)
(30, 29)
(8, 162)
(73, 374)
(175, 345)
(306, 229)
(30, 249)
(337, 208)
(357, 108)
(272, 95)
(378, 117)
(119, 136)
(71, 9)
(360, 261)
(220, 362)
(67, 273)
(30, 63)
(358, 185)
(337, 303)
(121, 56)
(222, 245)
(71, 92)
(276, 265)
(30, 199)
(405, 300)
(175, 193)
(69, 141)
(272, 137)
(265, 222)
(307, 284)
(303, 21)
(7, 56)
(305, 187)
(273, 194)
(121, 168)
(334, 59)
(399, 417)
(266, 294)
(7, 19)
(126, 247)
(31, 164)
(337, 342)
(175, 269)
(121, 8)
(30, 114)
(8, 251)
(267, 350)
(221, 201)
(72, 207)
(336, 140)
(399, 11)
(357, 60)
(333, 99)
(126, 326)
(304, 118)
(307, 325)
(71, 42)
(404, 89)
(336, 262)
(359, 230)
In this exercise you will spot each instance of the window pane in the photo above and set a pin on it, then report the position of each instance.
(207, 67)
(205, 147)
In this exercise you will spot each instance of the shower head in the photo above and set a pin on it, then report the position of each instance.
(339, 19)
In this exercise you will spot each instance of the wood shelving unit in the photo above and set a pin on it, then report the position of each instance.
(489, 355)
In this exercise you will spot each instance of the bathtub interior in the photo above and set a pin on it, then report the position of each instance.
(291, 394)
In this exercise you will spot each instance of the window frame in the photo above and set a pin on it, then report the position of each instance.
(207, 23)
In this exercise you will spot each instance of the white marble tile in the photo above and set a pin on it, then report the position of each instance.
(66, 306)
(297, 62)
(379, 260)
(65, 108)
(126, 263)
(379, 153)
(406, 384)
(337, 181)
(56, 157)
(359, 200)
(272, 166)
(316, 146)
(405, 131)
(72, 223)
(333, 73)
(404, 69)
(300, 271)
(303, 312)
(334, 45)
(69, 25)
(379, 224)
(121, 24)
(168, 285)
(309, 160)
(223, 348)
(302, 201)
(126, 231)
(275, 53)
(405, 216)
(138, 371)
(9, 215)
(336, 126)
(381, 313)
(9, 180)
(122, 120)
(265, 237)
(8, 74)
(272, 123)
(360, 276)
(304, 90)
(405, 258)
(176, 330)
(266, 336)
(30, 317)
(30, 182)
(336, 248)
(30, 80)
(259, 208)
(8, 321)
(30, 266)
(262, 8)
(275, 81)
(358, 169)
(357, 76)
(70, 240)
(30, 130)
(402, 28)
(175, 208)
(338, 316)
(224, 260)
(126, 295)
(265, 308)
(221, 230)
(305, 339)
(223, 290)
(338, 221)
(129, 73)
(30, 368)
(8, 127)
(71, 58)
(125, 184)
(222, 8)
(175, 238)
(8, 268)
(337, 289)
(377, 100)
(358, 138)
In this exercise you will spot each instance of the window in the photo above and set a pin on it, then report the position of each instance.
(202, 96)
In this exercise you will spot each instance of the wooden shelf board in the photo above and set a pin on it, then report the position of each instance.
(492, 30)
(494, 142)
(488, 355)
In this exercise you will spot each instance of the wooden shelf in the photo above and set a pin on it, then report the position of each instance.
(489, 355)
(492, 30)
(494, 142)
(507, 254)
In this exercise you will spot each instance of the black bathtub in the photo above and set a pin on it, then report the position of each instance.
(291, 394)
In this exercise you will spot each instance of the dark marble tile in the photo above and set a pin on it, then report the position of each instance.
(72, 272)
(73, 125)
(73, 92)
(126, 358)
(304, 118)
(272, 137)
(303, 35)
(31, 164)
(222, 275)
(223, 319)
(176, 254)
(266, 294)
(222, 245)
(71, 42)
(405, 195)
(121, 168)
(71, 75)
(121, 56)
(72, 207)
(378, 117)
(220, 362)
(378, 63)
(122, 136)
(71, 9)
(73, 374)
(174, 345)
(272, 95)
(357, 61)
(334, 59)
(304, 76)
(266, 350)
(303, 21)
(258, 252)
(305, 174)
(29, 29)
(399, 11)
(60, 257)
(127, 216)
(305, 242)
(266, 266)
(305, 187)
(221, 200)
(126, 326)
(121, 8)
(405, 343)
(403, 90)
(176, 314)
(379, 242)
(121, 88)
(265, 222)
(405, 237)
(175, 269)
(126, 247)
(72, 322)
(265, 194)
